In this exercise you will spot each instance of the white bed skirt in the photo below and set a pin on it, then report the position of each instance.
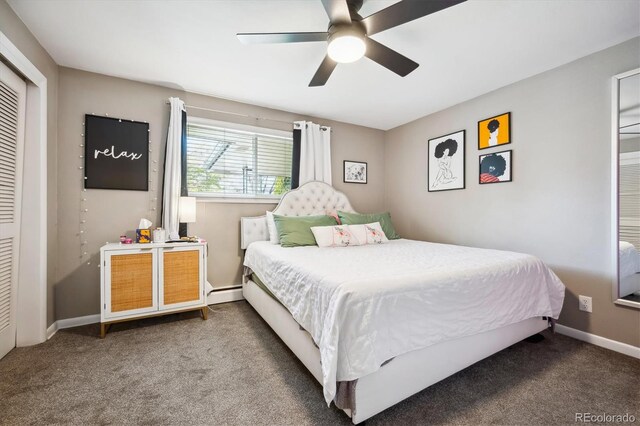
(407, 374)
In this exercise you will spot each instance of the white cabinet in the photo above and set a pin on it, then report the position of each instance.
(142, 280)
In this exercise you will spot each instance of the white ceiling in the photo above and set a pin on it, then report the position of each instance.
(463, 52)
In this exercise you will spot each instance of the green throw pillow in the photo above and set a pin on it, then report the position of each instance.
(360, 219)
(295, 231)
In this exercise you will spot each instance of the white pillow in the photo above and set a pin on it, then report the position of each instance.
(370, 233)
(274, 238)
(335, 236)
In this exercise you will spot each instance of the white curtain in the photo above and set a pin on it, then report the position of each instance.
(173, 171)
(315, 152)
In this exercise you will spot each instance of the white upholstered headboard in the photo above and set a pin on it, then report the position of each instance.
(309, 199)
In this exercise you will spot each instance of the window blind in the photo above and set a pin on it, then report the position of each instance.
(227, 162)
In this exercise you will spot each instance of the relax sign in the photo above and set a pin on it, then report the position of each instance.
(116, 154)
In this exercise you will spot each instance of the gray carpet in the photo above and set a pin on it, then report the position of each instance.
(232, 369)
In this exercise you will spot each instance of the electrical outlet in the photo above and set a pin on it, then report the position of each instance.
(584, 303)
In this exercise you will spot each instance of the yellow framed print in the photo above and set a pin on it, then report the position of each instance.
(494, 131)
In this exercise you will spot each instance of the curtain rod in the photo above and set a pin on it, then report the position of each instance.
(238, 114)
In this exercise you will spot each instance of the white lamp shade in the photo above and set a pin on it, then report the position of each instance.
(187, 209)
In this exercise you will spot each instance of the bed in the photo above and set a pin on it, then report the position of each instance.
(629, 259)
(375, 324)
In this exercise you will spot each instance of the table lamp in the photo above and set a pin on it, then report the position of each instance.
(187, 210)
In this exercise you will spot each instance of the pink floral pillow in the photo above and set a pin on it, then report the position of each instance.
(348, 235)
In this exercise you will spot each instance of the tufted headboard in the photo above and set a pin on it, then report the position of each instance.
(310, 199)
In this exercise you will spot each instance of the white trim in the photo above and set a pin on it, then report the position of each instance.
(603, 342)
(32, 287)
(615, 149)
(200, 198)
(71, 322)
(224, 296)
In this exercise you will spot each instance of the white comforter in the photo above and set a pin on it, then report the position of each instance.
(365, 305)
(629, 260)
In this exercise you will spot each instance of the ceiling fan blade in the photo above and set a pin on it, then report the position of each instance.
(261, 38)
(338, 11)
(324, 72)
(403, 12)
(389, 58)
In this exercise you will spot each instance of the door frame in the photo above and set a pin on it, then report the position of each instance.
(31, 315)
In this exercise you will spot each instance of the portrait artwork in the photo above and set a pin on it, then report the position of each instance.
(494, 131)
(446, 162)
(495, 168)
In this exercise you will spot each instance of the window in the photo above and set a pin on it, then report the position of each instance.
(229, 160)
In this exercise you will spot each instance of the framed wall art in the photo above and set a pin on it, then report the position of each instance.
(495, 167)
(445, 162)
(494, 131)
(354, 172)
(116, 154)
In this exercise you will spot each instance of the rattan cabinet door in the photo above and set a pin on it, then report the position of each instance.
(131, 282)
(181, 277)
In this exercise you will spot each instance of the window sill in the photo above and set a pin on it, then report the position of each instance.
(234, 200)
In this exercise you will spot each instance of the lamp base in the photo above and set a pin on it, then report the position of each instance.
(182, 230)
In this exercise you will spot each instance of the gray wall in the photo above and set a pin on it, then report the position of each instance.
(558, 205)
(20, 36)
(110, 213)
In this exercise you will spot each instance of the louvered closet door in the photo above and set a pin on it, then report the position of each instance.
(12, 117)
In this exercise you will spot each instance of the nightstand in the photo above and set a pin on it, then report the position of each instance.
(145, 280)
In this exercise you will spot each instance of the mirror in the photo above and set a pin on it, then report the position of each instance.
(626, 182)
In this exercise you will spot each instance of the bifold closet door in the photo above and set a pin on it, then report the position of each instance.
(13, 92)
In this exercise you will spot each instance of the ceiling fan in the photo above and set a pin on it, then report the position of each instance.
(349, 34)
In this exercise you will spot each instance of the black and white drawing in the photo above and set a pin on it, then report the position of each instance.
(355, 172)
(446, 162)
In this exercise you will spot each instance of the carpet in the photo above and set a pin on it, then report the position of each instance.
(234, 370)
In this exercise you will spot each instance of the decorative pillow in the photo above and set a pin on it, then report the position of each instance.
(274, 238)
(295, 231)
(349, 235)
(369, 233)
(362, 219)
(335, 216)
(336, 236)
(271, 227)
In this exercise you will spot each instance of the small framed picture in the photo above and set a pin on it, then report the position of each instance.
(494, 131)
(354, 172)
(445, 162)
(495, 167)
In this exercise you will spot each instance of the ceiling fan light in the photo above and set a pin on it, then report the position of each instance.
(346, 48)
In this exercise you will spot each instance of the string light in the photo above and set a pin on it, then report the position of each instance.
(83, 232)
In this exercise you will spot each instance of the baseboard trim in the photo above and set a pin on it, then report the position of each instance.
(224, 296)
(71, 322)
(603, 342)
(53, 329)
